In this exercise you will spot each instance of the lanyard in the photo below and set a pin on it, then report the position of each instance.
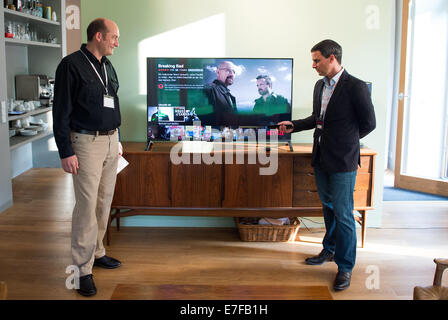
(94, 69)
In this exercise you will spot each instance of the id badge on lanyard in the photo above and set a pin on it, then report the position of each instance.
(108, 100)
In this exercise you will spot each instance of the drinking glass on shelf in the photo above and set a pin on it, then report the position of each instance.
(11, 105)
(21, 31)
(50, 38)
(15, 30)
(26, 7)
(34, 35)
(35, 11)
(27, 34)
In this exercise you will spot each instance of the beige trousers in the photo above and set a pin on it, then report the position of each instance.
(94, 189)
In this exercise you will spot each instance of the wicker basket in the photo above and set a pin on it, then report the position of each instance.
(273, 233)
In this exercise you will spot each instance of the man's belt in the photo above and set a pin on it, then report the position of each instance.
(96, 133)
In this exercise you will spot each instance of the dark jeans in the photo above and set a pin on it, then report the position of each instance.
(336, 194)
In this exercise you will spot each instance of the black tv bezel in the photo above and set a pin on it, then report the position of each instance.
(285, 138)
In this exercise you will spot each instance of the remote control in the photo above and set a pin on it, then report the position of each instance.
(276, 126)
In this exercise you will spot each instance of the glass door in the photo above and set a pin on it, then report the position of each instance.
(422, 129)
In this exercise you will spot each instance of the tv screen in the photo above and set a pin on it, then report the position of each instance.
(212, 98)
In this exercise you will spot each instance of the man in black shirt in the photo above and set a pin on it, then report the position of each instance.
(86, 117)
(219, 96)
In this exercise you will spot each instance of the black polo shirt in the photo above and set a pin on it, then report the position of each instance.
(79, 98)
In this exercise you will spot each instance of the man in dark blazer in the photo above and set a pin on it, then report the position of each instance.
(342, 114)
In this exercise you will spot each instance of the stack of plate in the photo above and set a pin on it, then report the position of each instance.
(35, 128)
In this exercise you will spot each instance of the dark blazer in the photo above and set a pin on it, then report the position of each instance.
(349, 117)
(223, 102)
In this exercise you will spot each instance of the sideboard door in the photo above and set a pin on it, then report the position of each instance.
(144, 182)
(246, 188)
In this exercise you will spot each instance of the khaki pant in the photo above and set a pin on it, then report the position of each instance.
(94, 189)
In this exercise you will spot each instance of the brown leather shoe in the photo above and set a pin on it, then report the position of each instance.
(322, 257)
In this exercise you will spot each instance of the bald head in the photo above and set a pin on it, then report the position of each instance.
(226, 72)
(102, 37)
(101, 25)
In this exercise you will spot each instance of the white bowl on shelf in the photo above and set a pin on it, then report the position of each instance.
(27, 132)
(42, 126)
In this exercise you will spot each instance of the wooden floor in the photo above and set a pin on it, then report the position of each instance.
(35, 250)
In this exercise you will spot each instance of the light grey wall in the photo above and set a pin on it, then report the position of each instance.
(21, 160)
(5, 162)
(5, 167)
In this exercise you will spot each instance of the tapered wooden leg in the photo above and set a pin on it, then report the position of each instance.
(363, 227)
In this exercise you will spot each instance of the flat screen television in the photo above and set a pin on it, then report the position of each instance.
(212, 98)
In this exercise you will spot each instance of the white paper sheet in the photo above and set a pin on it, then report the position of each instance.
(122, 163)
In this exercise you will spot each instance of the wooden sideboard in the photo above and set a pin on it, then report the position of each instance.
(152, 185)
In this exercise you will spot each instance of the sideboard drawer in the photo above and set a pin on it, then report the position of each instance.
(309, 198)
(306, 198)
(302, 164)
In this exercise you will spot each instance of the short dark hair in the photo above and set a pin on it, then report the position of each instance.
(329, 47)
(266, 78)
(97, 25)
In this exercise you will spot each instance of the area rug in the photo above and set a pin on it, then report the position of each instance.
(396, 194)
(219, 292)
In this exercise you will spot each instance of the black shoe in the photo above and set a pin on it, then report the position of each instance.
(86, 286)
(322, 257)
(107, 262)
(342, 281)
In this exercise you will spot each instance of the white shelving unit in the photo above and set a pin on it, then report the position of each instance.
(31, 43)
(18, 141)
(19, 57)
(29, 114)
(22, 17)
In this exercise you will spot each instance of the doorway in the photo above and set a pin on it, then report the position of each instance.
(421, 158)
